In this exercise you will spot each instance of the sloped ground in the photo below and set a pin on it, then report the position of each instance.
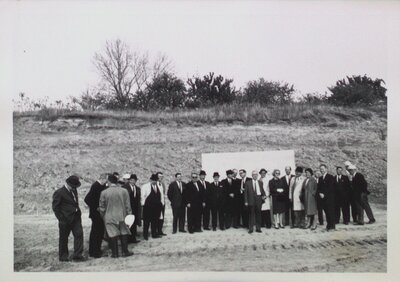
(349, 249)
(46, 153)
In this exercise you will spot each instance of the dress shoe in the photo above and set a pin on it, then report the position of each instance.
(127, 254)
(276, 227)
(250, 231)
(258, 230)
(135, 241)
(156, 236)
(162, 234)
(214, 229)
(281, 226)
(207, 228)
(358, 223)
(173, 232)
(182, 231)
(198, 231)
(314, 227)
(65, 260)
(191, 232)
(346, 223)
(371, 221)
(79, 259)
(146, 238)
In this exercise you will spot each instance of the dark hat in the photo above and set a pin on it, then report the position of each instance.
(229, 171)
(310, 171)
(262, 170)
(202, 172)
(134, 177)
(116, 173)
(154, 177)
(216, 174)
(299, 169)
(73, 181)
(112, 178)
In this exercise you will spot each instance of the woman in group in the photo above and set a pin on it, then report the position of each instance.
(279, 198)
(310, 200)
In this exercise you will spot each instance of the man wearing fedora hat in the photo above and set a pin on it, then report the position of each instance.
(150, 201)
(360, 190)
(229, 189)
(114, 206)
(134, 200)
(205, 186)
(97, 229)
(66, 208)
(217, 200)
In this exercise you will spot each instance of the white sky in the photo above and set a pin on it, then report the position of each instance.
(309, 44)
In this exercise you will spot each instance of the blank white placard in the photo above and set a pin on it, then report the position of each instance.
(270, 160)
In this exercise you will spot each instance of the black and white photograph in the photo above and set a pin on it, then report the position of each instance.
(240, 137)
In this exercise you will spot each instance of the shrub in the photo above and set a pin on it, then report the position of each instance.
(164, 91)
(357, 90)
(268, 92)
(210, 90)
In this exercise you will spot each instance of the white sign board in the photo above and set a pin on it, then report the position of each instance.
(270, 160)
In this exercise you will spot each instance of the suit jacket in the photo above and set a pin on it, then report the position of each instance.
(175, 196)
(229, 189)
(359, 184)
(217, 194)
(206, 192)
(250, 196)
(64, 206)
(92, 199)
(327, 187)
(134, 200)
(342, 188)
(193, 196)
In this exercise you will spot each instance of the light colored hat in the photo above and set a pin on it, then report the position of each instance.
(351, 166)
(347, 163)
(129, 220)
(126, 176)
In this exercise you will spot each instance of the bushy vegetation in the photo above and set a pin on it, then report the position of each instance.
(130, 81)
(361, 90)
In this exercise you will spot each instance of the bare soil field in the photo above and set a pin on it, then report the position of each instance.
(349, 249)
(45, 153)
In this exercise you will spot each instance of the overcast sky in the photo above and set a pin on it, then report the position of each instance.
(309, 44)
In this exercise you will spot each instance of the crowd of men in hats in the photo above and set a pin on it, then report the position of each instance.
(297, 200)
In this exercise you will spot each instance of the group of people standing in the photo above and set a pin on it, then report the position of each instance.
(296, 200)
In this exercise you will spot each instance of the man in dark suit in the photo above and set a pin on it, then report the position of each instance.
(243, 210)
(162, 188)
(175, 195)
(229, 189)
(254, 195)
(360, 189)
(342, 196)
(237, 200)
(320, 209)
(289, 216)
(194, 199)
(134, 200)
(66, 209)
(217, 198)
(97, 230)
(205, 185)
(353, 204)
(326, 190)
(150, 201)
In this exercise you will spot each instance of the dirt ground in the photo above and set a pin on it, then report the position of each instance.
(46, 153)
(349, 249)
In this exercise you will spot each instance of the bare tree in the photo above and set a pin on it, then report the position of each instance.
(126, 72)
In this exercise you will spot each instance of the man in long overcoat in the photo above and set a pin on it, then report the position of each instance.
(114, 206)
